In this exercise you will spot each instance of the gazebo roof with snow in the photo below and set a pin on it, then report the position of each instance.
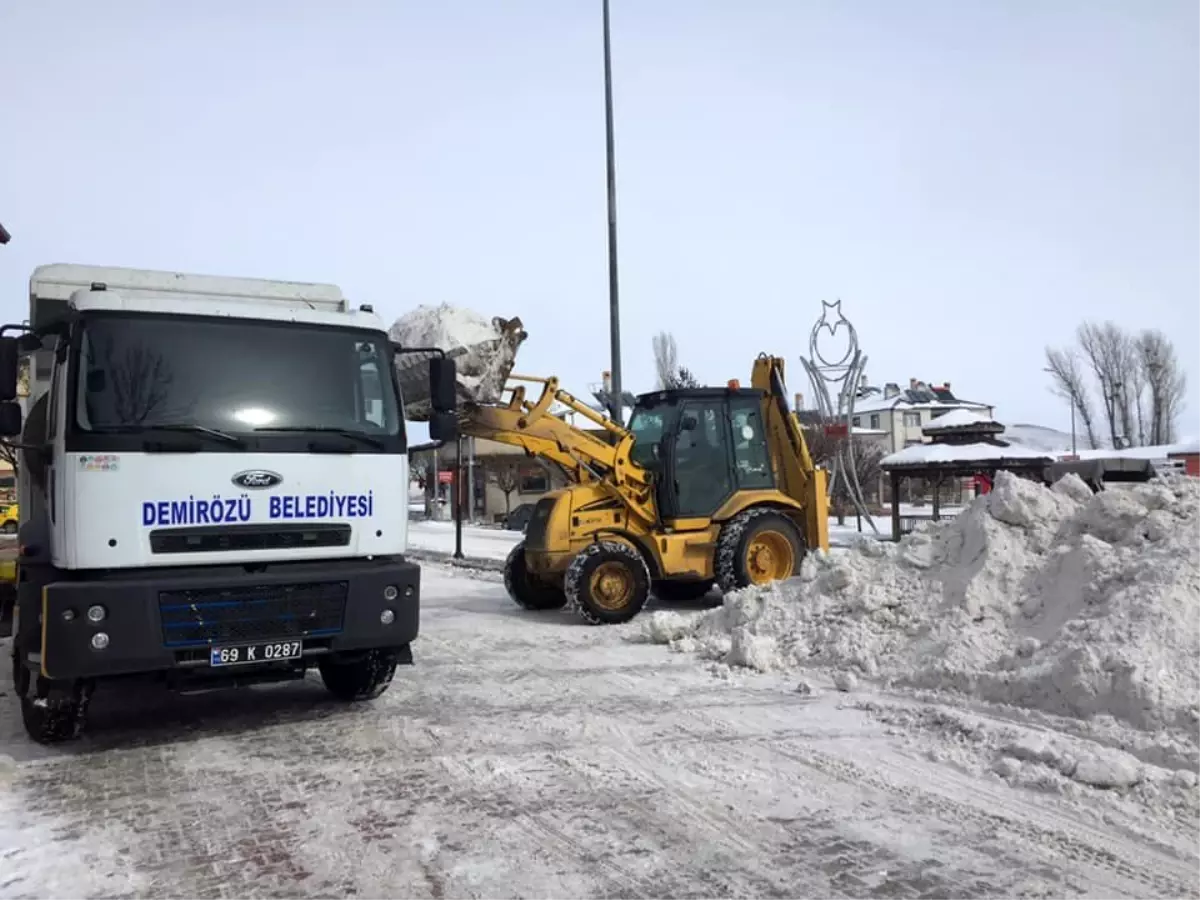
(962, 426)
(964, 458)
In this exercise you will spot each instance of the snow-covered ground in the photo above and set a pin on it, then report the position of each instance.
(529, 755)
(436, 537)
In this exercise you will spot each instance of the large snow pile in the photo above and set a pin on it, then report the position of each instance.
(1055, 599)
(483, 351)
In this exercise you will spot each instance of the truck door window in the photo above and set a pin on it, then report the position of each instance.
(54, 403)
(750, 458)
(370, 384)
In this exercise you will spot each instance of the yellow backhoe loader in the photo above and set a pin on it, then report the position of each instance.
(704, 486)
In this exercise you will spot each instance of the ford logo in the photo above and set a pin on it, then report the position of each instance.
(257, 479)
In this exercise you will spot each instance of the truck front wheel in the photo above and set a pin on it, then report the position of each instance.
(363, 678)
(51, 711)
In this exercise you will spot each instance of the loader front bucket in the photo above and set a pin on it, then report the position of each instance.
(483, 352)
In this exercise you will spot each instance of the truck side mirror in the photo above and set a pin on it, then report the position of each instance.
(443, 426)
(10, 359)
(10, 419)
(443, 395)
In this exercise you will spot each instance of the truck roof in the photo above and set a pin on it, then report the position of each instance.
(51, 288)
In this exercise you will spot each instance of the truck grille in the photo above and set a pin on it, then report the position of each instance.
(266, 612)
(247, 537)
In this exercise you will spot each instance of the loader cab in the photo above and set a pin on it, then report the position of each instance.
(704, 445)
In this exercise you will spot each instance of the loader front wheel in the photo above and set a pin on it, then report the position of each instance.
(526, 589)
(757, 547)
(607, 583)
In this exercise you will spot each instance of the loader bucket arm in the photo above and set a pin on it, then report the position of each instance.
(583, 456)
(798, 475)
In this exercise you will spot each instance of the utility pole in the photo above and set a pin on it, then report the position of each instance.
(614, 326)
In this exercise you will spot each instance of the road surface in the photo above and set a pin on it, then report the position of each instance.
(529, 755)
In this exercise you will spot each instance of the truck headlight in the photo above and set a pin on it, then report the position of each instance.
(390, 593)
(387, 617)
(96, 614)
(99, 640)
(408, 591)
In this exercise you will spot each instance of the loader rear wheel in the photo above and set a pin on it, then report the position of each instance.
(681, 591)
(526, 589)
(607, 583)
(757, 547)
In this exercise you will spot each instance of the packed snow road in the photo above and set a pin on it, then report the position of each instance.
(528, 755)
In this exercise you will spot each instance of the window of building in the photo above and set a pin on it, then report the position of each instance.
(912, 420)
(857, 421)
(874, 420)
(533, 480)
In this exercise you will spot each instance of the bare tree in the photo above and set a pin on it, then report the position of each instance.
(867, 456)
(1070, 383)
(683, 378)
(1165, 382)
(506, 475)
(669, 372)
(666, 358)
(1109, 352)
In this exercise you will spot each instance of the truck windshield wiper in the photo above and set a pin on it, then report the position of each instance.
(181, 427)
(321, 429)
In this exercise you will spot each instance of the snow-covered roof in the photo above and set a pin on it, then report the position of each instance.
(923, 454)
(959, 418)
(879, 405)
(1159, 451)
(867, 431)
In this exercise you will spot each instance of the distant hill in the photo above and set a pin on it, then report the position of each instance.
(1039, 437)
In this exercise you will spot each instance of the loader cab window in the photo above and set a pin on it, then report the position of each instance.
(702, 475)
(647, 426)
(750, 458)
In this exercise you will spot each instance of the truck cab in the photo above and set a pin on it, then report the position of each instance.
(213, 488)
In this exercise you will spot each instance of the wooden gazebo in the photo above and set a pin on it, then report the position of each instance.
(965, 445)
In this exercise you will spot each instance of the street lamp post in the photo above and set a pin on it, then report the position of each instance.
(614, 321)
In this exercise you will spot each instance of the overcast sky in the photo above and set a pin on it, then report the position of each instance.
(971, 177)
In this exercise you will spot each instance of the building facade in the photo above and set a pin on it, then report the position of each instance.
(897, 416)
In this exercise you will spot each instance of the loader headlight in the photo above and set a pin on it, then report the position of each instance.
(96, 614)
(68, 615)
(408, 591)
(99, 640)
(387, 617)
(390, 593)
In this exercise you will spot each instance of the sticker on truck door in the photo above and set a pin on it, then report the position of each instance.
(99, 462)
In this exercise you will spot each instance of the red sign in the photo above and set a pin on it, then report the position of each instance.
(445, 477)
(837, 431)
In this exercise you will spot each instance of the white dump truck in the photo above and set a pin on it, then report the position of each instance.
(213, 488)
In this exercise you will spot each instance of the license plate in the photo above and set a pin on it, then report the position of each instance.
(273, 651)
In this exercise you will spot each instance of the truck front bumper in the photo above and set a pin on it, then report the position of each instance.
(154, 622)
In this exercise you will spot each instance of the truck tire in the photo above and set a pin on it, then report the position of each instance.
(52, 712)
(361, 679)
(681, 591)
(756, 547)
(526, 589)
(607, 583)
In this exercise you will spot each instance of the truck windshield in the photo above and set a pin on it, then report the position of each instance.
(233, 375)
